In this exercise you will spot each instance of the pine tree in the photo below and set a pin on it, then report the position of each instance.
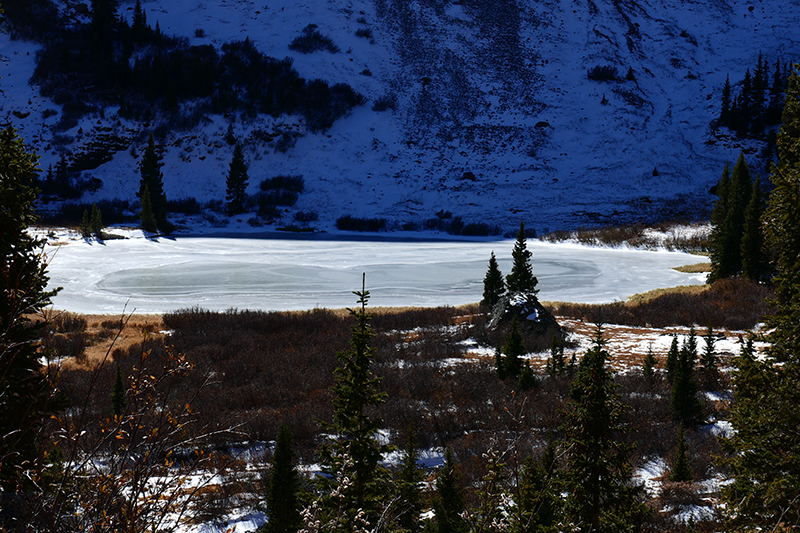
(448, 503)
(283, 507)
(97, 222)
(727, 221)
(513, 350)
(709, 359)
(538, 495)
(725, 112)
(597, 478)
(765, 447)
(649, 364)
(555, 363)
(147, 221)
(493, 285)
(409, 491)
(355, 452)
(104, 21)
(681, 468)
(684, 405)
(86, 225)
(236, 184)
(153, 180)
(755, 265)
(26, 393)
(521, 278)
(690, 347)
(118, 401)
(139, 27)
(672, 359)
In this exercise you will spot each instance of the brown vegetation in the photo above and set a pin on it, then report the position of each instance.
(734, 303)
(254, 370)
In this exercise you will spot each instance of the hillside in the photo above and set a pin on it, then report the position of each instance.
(499, 90)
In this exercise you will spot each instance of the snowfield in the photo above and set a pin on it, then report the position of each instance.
(495, 89)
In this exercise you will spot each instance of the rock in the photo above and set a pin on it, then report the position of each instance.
(531, 315)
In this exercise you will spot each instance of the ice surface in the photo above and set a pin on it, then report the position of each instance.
(218, 273)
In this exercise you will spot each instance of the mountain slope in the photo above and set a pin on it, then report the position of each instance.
(496, 89)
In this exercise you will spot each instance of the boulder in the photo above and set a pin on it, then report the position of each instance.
(531, 315)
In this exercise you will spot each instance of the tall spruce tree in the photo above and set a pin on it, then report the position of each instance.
(493, 284)
(684, 405)
(283, 507)
(755, 264)
(409, 489)
(765, 458)
(355, 451)
(597, 477)
(152, 180)
(521, 278)
(103, 25)
(236, 184)
(718, 238)
(26, 393)
(448, 502)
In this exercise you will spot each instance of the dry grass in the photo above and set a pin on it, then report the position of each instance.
(697, 268)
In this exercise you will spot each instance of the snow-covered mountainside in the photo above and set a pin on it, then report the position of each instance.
(496, 119)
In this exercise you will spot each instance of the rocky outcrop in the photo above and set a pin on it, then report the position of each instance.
(531, 315)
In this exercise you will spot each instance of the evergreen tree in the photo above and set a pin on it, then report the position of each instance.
(690, 347)
(556, 363)
(147, 220)
(409, 491)
(448, 503)
(719, 240)
(511, 364)
(86, 225)
(755, 265)
(236, 184)
(725, 112)
(152, 179)
(96, 223)
(684, 405)
(493, 285)
(538, 497)
(649, 364)
(527, 379)
(597, 478)
(104, 21)
(681, 468)
(765, 447)
(283, 507)
(709, 359)
(139, 28)
(118, 401)
(672, 359)
(727, 220)
(26, 393)
(521, 278)
(355, 452)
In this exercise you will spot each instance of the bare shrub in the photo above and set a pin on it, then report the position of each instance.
(733, 303)
(312, 40)
(603, 73)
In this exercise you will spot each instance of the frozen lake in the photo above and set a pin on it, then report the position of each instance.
(281, 273)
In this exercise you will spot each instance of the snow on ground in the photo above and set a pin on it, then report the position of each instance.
(528, 123)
